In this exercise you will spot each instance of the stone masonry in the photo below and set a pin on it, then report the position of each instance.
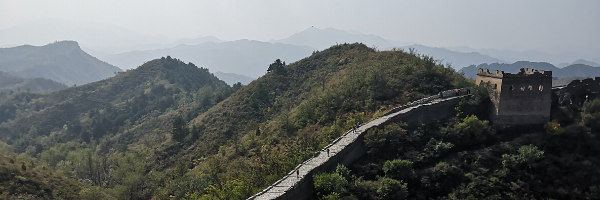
(523, 98)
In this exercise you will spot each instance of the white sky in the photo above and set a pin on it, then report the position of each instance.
(545, 25)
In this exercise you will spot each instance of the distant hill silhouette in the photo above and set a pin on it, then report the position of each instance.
(580, 61)
(63, 62)
(245, 57)
(324, 38)
(457, 59)
(579, 70)
(12, 83)
(232, 78)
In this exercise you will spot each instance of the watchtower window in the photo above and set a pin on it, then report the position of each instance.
(541, 88)
(511, 88)
(530, 88)
(522, 88)
(495, 86)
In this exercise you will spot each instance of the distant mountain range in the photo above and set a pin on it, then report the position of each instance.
(574, 70)
(458, 60)
(63, 62)
(246, 57)
(10, 83)
(580, 61)
(232, 78)
(325, 38)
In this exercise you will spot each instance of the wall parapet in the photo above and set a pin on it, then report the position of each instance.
(350, 146)
(523, 72)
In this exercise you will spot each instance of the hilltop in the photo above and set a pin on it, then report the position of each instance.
(107, 106)
(263, 130)
(63, 62)
(120, 127)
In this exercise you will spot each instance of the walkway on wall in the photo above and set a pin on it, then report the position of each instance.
(292, 182)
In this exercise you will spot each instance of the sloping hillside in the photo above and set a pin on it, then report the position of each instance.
(109, 106)
(266, 128)
(63, 62)
(121, 133)
(20, 178)
(10, 83)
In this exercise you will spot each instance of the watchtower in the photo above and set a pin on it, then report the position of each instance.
(518, 99)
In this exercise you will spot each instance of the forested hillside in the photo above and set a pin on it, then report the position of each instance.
(115, 133)
(171, 130)
(261, 132)
(10, 84)
(62, 61)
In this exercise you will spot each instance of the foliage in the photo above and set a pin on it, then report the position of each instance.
(179, 129)
(233, 189)
(553, 127)
(590, 116)
(470, 130)
(20, 176)
(527, 154)
(118, 134)
(277, 67)
(398, 169)
(392, 189)
(328, 183)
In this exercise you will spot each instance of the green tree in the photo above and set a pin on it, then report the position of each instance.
(591, 115)
(398, 169)
(328, 183)
(470, 130)
(526, 154)
(277, 66)
(179, 129)
(392, 189)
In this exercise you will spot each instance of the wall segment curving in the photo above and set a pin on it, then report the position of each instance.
(350, 146)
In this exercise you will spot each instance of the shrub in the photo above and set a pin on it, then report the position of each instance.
(591, 115)
(470, 130)
(328, 183)
(553, 127)
(392, 189)
(398, 169)
(526, 154)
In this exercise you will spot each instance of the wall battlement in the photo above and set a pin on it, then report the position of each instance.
(524, 72)
(350, 146)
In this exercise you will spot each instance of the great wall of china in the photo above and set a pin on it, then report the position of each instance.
(350, 146)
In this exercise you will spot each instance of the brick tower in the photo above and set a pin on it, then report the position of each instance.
(518, 99)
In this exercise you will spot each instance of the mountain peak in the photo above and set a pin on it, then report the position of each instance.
(327, 37)
(65, 44)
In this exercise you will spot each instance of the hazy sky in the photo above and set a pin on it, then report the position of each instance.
(518, 25)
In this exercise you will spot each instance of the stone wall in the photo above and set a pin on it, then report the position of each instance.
(350, 146)
(523, 98)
